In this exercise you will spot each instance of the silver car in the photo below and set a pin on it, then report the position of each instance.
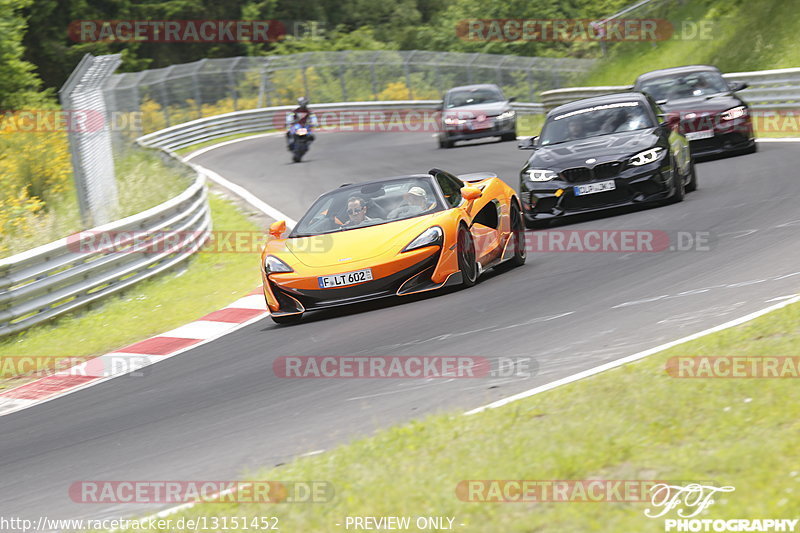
(474, 112)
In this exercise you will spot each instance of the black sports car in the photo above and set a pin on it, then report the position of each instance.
(712, 117)
(604, 152)
(475, 112)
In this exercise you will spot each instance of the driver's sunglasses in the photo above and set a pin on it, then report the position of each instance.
(355, 211)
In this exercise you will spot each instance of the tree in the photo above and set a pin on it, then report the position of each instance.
(18, 82)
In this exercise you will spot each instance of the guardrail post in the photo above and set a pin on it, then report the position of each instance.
(90, 143)
(198, 90)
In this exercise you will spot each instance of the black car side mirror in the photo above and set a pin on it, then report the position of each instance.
(512, 99)
(737, 86)
(528, 144)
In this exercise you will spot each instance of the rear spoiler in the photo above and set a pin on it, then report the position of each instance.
(476, 176)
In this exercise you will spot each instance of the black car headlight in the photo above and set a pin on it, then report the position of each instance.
(536, 174)
(648, 156)
(433, 236)
(734, 113)
(272, 265)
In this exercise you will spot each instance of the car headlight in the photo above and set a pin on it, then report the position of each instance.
(506, 115)
(536, 174)
(648, 156)
(429, 237)
(273, 264)
(453, 121)
(734, 113)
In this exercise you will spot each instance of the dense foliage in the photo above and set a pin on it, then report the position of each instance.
(340, 25)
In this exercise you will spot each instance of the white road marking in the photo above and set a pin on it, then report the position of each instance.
(315, 452)
(8, 405)
(789, 224)
(199, 329)
(779, 298)
(246, 195)
(631, 358)
(400, 390)
(201, 151)
(745, 283)
(642, 301)
(738, 234)
(252, 301)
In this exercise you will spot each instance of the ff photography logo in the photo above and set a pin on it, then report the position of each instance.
(691, 500)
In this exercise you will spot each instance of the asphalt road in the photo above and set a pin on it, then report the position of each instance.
(218, 411)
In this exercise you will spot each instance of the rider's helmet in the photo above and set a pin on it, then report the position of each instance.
(302, 102)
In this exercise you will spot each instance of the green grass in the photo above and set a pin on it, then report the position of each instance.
(745, 36)
(634, 422)
(530, 125)
(206, 283)
(144, 180)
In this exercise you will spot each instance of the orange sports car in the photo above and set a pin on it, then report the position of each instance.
(391, 237)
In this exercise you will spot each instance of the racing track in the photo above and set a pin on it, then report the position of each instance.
(215, 411)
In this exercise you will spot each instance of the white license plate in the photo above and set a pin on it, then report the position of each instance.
(694, 135)
(593, 188)
(348, 278)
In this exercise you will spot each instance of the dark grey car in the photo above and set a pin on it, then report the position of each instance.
(474, 112)
(711, 116)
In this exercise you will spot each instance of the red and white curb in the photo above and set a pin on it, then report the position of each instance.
(239, 314)
(242, 312)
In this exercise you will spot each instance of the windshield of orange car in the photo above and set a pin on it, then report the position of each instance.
(370, 204)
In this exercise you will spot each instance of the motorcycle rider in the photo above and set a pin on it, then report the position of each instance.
(304, 117)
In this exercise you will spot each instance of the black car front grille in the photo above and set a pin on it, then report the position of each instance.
(582, 174)
(607, 170)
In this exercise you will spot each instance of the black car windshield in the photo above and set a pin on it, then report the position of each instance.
(370, 204)
(481, 95)
(691, 85)
(602, 119)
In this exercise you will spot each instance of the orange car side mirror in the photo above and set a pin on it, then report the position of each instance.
(471, 194)
(276, 229)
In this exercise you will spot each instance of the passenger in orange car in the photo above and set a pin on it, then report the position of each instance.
(415, 201)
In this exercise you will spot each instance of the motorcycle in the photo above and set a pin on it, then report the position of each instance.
(301, 137)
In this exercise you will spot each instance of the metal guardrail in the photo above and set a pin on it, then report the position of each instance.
(50, 280)
(767, 89)
(271, 118)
